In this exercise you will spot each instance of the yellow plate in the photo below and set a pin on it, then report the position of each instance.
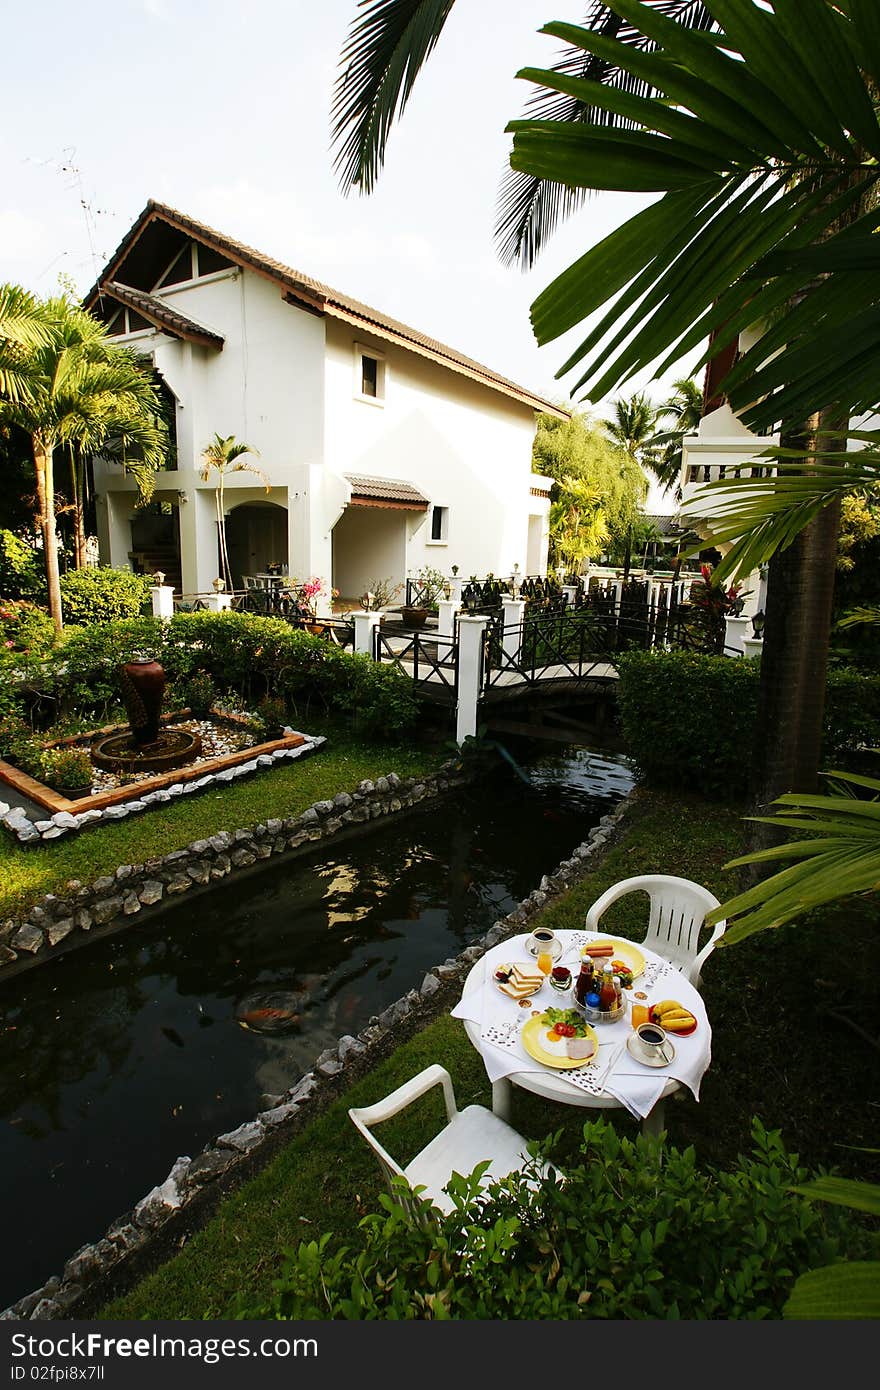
(534, 1041)
(623, 950)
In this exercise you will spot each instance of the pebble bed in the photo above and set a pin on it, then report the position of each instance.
(218, 739)
(227, 1153)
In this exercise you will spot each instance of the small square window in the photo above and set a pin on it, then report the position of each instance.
(369, 376)
(439, 524)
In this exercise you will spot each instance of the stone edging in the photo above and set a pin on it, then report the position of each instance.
(58, 1297)
(17, 820)
(53, 925)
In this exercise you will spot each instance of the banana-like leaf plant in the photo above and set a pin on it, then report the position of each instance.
(848, 1290)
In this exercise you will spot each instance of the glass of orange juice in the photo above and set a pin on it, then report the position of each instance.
(545, 961)
(640, 1014)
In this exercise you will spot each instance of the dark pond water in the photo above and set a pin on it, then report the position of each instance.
(128, 1053)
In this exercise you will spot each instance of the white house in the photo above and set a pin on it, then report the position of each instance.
(384, 450)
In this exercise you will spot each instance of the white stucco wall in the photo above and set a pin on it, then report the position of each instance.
(464, 446)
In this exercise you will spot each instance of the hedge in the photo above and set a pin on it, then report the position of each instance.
(637, 1230)
(242, 653)
(689, 720)
(102, 595)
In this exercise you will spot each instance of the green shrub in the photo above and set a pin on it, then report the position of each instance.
(197, 692)
(66, 767)
(24, 627)
(17, 742)
(21, 568)
(637, 1231)
(269, 716)
(689, 720)
(103, 595)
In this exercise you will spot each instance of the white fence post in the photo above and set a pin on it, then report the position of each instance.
(470, 671)
(571, 593)
(446, 611)
(753, 646)
(456, 584)
(163, 601)
(218, 603)
(512, 610)
(735, 630)
(365, 625)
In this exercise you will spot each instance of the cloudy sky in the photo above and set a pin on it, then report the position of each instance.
(222, 110)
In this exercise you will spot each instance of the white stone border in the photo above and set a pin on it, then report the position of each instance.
(17, 820)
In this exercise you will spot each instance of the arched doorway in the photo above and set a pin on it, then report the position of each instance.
(256, 537)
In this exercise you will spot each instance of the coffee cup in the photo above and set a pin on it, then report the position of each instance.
(544, 940)
(653, 1041)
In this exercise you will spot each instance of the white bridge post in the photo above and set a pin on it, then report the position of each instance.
(470, 671)
(512, 610)
(446, 611)
(735, 633)
(365, 625)
(163, 601)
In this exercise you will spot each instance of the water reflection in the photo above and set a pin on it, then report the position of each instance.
(118, 1058)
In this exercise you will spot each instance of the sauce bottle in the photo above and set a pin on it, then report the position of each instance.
(607, 996)
(584, 982)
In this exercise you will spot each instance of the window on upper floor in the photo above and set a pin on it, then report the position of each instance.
(439, 525)
(370, 376)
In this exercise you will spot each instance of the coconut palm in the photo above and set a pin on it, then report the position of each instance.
(685, 406)
(388, 43)
(21, 329)
(633, 427)
(73, 387)
(224, 456)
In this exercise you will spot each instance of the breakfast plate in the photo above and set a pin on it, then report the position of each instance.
(623, 950)
(555, 1053)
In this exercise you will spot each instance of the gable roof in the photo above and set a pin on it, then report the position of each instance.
(162, 315)
(307, 293)
(388, 492)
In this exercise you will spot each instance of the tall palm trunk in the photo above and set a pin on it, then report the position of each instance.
(77, 489)
(46, 502)
(221, 531)
(791, 698)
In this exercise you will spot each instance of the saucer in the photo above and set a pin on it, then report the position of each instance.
(556, 948)
(632, 1047)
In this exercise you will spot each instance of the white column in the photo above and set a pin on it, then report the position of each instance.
(512, 610)
(470, 671)
(365, 625)
(163, 601)
(618, 594)
(571, 593)
(753, 646)
(456, 584)
(218, 603)
(446, 611)
(735, 630)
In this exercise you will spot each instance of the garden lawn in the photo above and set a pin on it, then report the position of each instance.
(782, 1049)
(26, 873)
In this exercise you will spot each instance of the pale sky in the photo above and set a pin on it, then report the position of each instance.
(222, 110)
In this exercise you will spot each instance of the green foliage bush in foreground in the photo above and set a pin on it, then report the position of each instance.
(252, 656)
(102, 595)
(689, 719)
(636, 1231)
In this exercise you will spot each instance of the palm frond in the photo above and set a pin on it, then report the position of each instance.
(381, 59)
(839, 856)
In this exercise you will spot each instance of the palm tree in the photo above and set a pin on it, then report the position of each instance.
(578, 524)
(224, 456)
(685, 407)
(632, 429)
(388, 43)
(71, 386)
(764, 142)
(22, 328)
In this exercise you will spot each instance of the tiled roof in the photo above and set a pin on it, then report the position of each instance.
(161, 314)
(391, 490)
(666, 525)
(312, 294)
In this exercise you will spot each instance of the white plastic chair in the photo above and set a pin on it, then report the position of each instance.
(470, 1137)
(678, 910)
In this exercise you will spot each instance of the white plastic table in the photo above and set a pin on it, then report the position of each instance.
(545, 1081)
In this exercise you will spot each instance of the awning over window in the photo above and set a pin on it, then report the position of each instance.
(393, 493)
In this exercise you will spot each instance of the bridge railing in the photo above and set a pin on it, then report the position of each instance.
(430, 660)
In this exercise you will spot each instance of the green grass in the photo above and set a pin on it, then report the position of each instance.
(27, 872)
(777, 1053)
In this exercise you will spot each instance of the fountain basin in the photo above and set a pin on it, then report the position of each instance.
(121, 753)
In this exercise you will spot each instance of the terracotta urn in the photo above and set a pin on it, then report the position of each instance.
(143, 689)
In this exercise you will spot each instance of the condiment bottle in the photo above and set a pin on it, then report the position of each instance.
(584, 982)
(618, 993)
(607, 996)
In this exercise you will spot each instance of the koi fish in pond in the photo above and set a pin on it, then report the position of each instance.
(274, 1013)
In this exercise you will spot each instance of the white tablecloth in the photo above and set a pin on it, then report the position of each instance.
(615, 1072)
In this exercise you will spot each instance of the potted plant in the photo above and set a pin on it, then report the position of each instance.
(430, 584)
(269, 717)
(68, 771)
(380, 594)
